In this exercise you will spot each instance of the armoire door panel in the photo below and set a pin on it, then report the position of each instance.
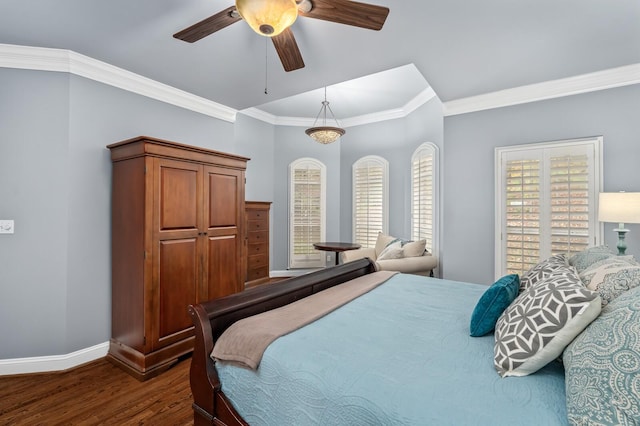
(178, 195)
(177, 283)
(223, 200)
(223, 273)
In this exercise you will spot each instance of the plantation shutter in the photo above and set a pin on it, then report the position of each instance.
(548, 196)
(523, 194)
(569, 203)
(369, 206)
(306, 215)
(422, 196)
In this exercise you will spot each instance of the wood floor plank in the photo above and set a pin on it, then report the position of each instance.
(98, 393)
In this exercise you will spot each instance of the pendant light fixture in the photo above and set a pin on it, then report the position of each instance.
(268, 17)
(325, 134)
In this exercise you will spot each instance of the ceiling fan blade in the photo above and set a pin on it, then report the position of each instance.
(347, 12)
(287, 48)
(209, 26)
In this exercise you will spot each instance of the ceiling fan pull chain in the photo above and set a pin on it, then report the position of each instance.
(266, 50)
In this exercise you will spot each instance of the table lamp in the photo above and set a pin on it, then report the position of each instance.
(620, 207)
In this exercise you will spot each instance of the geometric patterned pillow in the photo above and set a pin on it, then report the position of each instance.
(542, 270)
(587, 257)
(611, 279)
(541, 322)
(602, 366)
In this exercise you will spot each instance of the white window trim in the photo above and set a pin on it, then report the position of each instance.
(597, 142)
(320, 262)
(433, 148)
(385, 192)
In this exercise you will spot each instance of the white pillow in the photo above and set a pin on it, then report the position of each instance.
(392, 251)
(383, 241)
(414, 248)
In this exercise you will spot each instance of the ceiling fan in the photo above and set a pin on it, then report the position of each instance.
(273, 19)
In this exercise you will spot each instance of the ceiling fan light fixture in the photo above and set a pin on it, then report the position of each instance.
(325, 134)
(268, 17)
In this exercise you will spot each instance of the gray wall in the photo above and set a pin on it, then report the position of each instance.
(34, 182)
(254, 139)
(55, 176)
(468, 224)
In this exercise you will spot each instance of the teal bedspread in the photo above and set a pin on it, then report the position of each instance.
(398, 355)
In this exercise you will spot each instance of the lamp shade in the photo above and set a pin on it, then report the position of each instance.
(268, 17)
(621, 207)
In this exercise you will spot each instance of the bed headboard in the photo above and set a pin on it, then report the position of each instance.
(212, 318)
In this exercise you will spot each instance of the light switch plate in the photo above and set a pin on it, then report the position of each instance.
(6, 226)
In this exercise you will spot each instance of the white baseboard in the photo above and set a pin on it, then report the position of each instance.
(41, 364)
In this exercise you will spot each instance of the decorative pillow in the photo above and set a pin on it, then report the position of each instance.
(589, 256)
(542, 270)
(602, 366)
(414, 248)
(383, 241)
(618, 260)
(492, 304)
(392, 251)
(611, 279)
(541, 322)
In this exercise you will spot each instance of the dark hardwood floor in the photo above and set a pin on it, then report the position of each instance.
(97, 393)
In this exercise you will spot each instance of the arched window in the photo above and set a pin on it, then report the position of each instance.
(370, 199)
(424, 164)
(307, 207)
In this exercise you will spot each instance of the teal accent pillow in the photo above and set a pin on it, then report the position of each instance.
(602, 366)
(493, 303)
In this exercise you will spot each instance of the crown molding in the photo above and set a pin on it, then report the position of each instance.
(422, 98)
(259, 114)
(391, 114)
(584, 83)
(61, 60)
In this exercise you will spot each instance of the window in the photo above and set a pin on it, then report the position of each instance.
(546, 197)
(307, 182)
(423, 193)
(370, 199)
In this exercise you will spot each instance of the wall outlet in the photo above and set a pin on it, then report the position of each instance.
(6, 226)
(328, 258)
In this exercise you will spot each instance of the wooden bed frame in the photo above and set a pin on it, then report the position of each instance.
(211, 319)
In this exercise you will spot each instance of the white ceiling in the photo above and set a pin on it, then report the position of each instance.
(460, 48)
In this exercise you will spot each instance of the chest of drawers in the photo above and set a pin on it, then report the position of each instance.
(257, 225)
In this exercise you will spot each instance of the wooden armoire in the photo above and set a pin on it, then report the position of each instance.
(178, 232)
